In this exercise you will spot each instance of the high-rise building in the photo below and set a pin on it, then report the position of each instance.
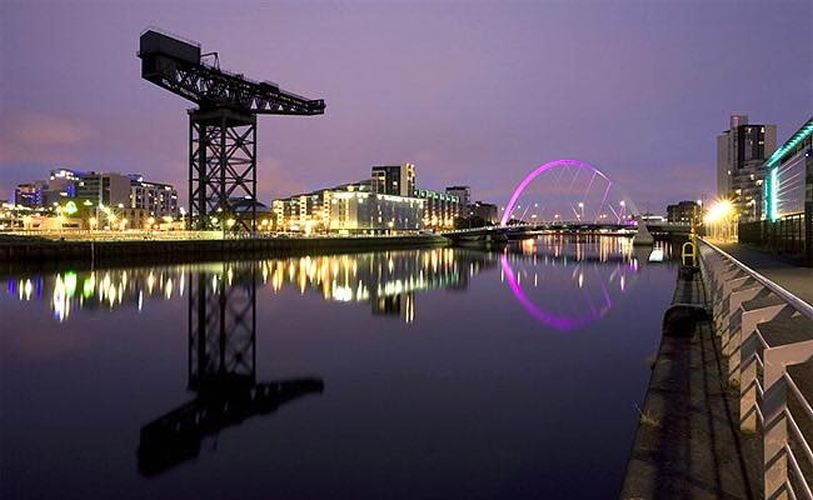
(463, 193)
(395, 180)
(741, 154)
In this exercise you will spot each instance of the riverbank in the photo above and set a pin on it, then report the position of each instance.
(688, 443)
(37, 252)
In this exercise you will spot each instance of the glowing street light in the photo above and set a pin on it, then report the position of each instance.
(718, 211)
(720, 217)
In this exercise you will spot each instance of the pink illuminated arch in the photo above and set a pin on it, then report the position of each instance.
(509, 209)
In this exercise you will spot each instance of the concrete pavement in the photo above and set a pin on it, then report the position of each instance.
(795, 279)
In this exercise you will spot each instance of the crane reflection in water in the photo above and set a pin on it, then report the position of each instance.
(222, 371)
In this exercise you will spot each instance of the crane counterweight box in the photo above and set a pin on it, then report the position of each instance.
(153, 42)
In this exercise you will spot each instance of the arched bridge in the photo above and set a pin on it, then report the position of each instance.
(566, 195)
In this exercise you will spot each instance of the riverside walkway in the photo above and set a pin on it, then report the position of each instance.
(795, 279)
(688, 444)
(728, 411)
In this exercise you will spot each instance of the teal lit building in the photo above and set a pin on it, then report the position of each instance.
(787, 222)
(789, 179)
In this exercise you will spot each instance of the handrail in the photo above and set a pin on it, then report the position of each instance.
(797, 471)
(805, 405)
(800, 438)
(800, 305)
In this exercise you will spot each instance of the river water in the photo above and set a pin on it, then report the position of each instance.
(432, 373)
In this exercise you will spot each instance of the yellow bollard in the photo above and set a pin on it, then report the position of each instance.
(688, 250)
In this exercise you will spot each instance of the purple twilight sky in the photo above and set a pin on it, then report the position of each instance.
(471, 92)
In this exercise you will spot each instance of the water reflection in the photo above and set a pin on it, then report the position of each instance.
(222, 370)
(386, 280)
(587, 273)
(422, 394)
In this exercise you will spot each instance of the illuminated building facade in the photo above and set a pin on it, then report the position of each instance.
(741, 154)
(440, 209)
(786, 226)
(30, 194)
(387, 202)
(349, 209)
(306, 213)
(109, 189)
(354, 212)
(157, 199)
(789, 182)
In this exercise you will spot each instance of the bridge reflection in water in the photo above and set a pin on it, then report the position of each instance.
(589, 272)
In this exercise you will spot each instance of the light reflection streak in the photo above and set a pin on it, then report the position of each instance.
(386, 280)
(596, 269)
(595, 266)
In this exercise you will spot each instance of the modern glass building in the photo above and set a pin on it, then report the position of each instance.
(787, 223)
(789, 182)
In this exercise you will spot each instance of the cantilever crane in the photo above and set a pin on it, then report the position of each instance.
(222, 129)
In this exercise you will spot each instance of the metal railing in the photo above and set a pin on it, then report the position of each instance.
(800, 305)
(786, 235)
(765, 385)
